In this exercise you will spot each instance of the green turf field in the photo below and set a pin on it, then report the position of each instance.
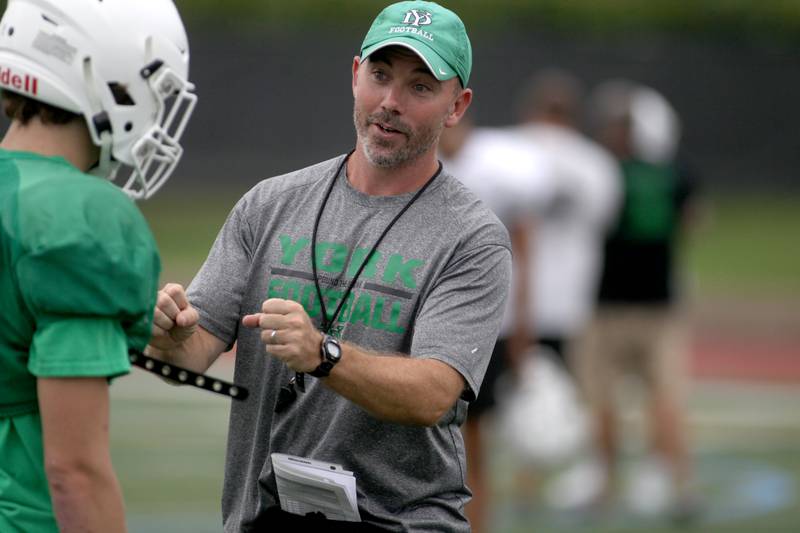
(168, 447)
(747, 244)
(743, 243)
(168, 442)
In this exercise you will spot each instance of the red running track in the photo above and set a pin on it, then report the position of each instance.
(774, 360)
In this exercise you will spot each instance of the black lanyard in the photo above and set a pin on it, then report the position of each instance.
(287, 393)
(328, 323)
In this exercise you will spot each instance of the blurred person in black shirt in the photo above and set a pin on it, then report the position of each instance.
(639, 328)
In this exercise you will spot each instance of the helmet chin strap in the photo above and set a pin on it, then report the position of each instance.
(105, 167)
(100, 123)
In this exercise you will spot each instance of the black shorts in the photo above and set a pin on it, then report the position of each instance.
(558, 347)
(487, 396)
(276, 520)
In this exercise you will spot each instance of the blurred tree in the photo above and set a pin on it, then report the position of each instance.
(740, 19)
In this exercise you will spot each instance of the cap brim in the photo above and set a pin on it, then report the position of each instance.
(438, 66)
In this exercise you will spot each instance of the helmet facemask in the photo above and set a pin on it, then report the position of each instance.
(127, 74)
(158, 151)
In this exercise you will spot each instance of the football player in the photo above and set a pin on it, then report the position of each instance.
(90, 87)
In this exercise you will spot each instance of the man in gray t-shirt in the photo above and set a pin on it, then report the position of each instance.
(376, 281)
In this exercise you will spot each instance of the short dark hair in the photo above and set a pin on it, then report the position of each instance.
(552, 92)
(23, 109)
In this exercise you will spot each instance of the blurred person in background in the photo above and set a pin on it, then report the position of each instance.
(364, 293)
(639, 329)
(564, 270)
(84, 85)
(512, 179)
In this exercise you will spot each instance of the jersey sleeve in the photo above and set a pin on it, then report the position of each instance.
(218, 288)
(88, 275)
(459, 321)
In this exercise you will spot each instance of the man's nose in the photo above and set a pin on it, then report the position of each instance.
(392, 99)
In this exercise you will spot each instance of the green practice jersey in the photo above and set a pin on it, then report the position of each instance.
(78, 278)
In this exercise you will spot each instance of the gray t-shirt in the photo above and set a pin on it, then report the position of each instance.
(436, 288)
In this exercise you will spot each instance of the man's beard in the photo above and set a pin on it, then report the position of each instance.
(418, 142)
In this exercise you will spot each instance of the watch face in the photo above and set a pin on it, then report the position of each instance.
(333, 350)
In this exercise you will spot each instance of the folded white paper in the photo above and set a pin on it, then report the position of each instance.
(309, 486)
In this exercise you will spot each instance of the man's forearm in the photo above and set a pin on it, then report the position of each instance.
(87, 500)
(521, 334)
(83, 488)
(196, 353)
(391, 387)
(396, 388)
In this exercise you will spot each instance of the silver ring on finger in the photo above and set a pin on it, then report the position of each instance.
(272, 335)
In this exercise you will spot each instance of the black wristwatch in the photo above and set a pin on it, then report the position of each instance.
(331, 352)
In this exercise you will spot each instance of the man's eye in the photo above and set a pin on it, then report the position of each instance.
(420, 88)
(379, 75)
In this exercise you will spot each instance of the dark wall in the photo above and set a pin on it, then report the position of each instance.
(271, 102)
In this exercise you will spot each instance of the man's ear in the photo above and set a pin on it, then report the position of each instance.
(356, 64)
(458, 108)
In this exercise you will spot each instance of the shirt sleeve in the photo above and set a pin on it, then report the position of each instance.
(89, 277)
(459, 321)
(217, 289)
(78, 346)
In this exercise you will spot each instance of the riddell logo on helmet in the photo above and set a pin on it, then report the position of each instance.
(19, 82)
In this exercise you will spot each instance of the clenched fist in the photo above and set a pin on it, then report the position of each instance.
(288, 333)
(174, 319)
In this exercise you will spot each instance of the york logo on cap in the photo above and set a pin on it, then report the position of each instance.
(417, 18)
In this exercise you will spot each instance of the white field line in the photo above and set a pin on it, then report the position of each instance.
(737, 420)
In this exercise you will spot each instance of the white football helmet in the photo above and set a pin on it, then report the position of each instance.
(542, 420)
(655, 126)
(122, 64)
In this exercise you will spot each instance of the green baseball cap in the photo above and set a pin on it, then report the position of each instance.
(435, 33)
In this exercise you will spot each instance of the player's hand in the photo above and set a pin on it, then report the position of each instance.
(174, 319)
(288, 333)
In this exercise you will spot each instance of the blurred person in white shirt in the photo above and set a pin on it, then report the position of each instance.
(564, 271)
(513, 180)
